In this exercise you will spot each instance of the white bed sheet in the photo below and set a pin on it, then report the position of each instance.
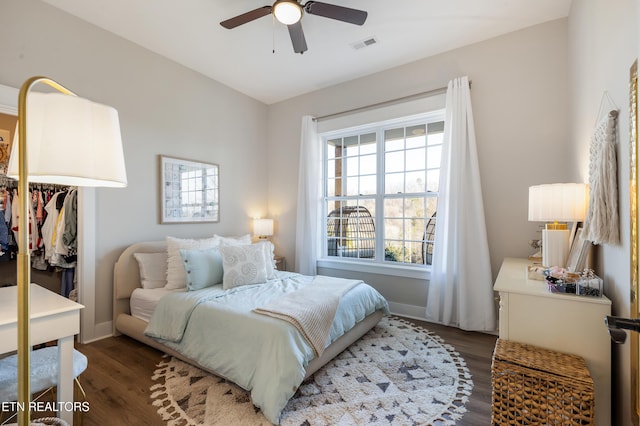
(144, 300)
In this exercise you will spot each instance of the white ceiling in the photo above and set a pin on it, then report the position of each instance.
(188, 32)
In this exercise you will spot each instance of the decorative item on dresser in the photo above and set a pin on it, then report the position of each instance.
(565, 323)
(558, 202)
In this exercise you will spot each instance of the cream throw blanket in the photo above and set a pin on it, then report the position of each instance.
(312, 309)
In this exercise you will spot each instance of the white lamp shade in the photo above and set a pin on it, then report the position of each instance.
(562, 202)
(288, 12)
(71, 141)
(263, 227)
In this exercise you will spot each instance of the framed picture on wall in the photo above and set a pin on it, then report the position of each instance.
(189, 191)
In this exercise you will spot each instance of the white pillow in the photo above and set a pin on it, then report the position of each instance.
(153, 269)
(233, 241)
(242, 265)
(269, 257)
(176, 276)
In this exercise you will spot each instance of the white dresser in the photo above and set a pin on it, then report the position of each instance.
(529, 313)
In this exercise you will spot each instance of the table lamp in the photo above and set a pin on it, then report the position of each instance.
(61, 139)
(263, 228)
(556, 203)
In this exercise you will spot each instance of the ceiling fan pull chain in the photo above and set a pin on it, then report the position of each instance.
(273, 34)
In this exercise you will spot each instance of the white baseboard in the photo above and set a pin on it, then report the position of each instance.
(408, 311)
(101, 331)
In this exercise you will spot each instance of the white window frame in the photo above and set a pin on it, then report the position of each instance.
(377, 266)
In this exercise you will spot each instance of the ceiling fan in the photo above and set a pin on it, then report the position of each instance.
(289, 12)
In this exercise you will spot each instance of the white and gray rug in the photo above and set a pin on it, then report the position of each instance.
(397, 374)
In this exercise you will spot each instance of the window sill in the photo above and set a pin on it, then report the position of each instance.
(415, 272)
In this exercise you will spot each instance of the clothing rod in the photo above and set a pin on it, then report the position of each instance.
(419, 95)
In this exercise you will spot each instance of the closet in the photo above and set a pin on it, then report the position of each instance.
(53, 242)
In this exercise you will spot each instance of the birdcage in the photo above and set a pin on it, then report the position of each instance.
(351, 232)
(428, 240)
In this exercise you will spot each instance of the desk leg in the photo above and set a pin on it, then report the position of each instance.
(65, 378)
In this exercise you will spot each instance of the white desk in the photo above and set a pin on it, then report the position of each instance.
(53, 317)
(529, 313)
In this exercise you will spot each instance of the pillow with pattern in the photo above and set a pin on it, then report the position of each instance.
(243, 265)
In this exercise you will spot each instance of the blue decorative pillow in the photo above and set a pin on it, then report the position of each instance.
(203, 268)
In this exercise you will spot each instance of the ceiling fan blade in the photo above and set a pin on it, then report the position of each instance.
(340, 13)
(246, 17)
(297, 37)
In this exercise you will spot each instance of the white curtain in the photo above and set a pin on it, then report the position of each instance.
(460, 289)
(309, 185)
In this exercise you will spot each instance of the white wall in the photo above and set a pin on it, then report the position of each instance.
(520, 104)
(164, 109)
(603, 43)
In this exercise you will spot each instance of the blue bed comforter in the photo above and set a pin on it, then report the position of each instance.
(263, 355)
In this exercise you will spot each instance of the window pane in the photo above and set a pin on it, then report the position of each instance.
(414, 229)
(334, 187)
(433, 179)
(368, 148)
(415, 159)
(432, 204)
(367, 185)
(393, 251)
(352, 166)
(368, 164)
(368, 138)
(434, 156)
(394, 162)
(393, 229)
(394, 183)
(331, 169)
(413, 252)
(414, 207)
(394, 139)
(351, 232)
(352, 186)
(415, 142)
(350, 144)
(415, 182)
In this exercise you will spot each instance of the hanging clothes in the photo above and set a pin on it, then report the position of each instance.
(49, 224)
(601, 225)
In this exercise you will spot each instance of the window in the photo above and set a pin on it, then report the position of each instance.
(381, 190)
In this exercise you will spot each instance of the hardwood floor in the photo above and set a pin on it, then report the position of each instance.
(118, 378)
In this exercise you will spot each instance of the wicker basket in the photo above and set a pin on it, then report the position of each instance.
(535, 386)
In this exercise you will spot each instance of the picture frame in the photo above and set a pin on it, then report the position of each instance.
(578, 253)
(189, 191)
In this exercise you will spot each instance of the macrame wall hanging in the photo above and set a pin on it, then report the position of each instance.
(601, 225)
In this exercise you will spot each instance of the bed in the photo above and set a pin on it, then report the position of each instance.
(136, 324)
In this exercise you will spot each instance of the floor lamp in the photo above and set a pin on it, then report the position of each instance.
(61, 139)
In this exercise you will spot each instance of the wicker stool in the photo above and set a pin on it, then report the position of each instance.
(535, 386)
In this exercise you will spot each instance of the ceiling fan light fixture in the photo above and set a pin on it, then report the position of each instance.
(287, 12)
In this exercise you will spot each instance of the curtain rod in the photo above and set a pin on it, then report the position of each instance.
(419, 95)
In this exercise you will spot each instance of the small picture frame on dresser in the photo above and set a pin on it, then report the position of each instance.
(578, 253)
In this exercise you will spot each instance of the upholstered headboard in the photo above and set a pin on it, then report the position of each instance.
(126, 274)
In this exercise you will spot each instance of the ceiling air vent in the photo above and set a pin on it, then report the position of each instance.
(370, 41)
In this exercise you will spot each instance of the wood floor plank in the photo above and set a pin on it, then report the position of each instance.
(118, 378)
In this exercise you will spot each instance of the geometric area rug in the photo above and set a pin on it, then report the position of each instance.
(396, 374)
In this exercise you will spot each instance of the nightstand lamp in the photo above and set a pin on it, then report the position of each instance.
(263, 228)
(557, 203)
